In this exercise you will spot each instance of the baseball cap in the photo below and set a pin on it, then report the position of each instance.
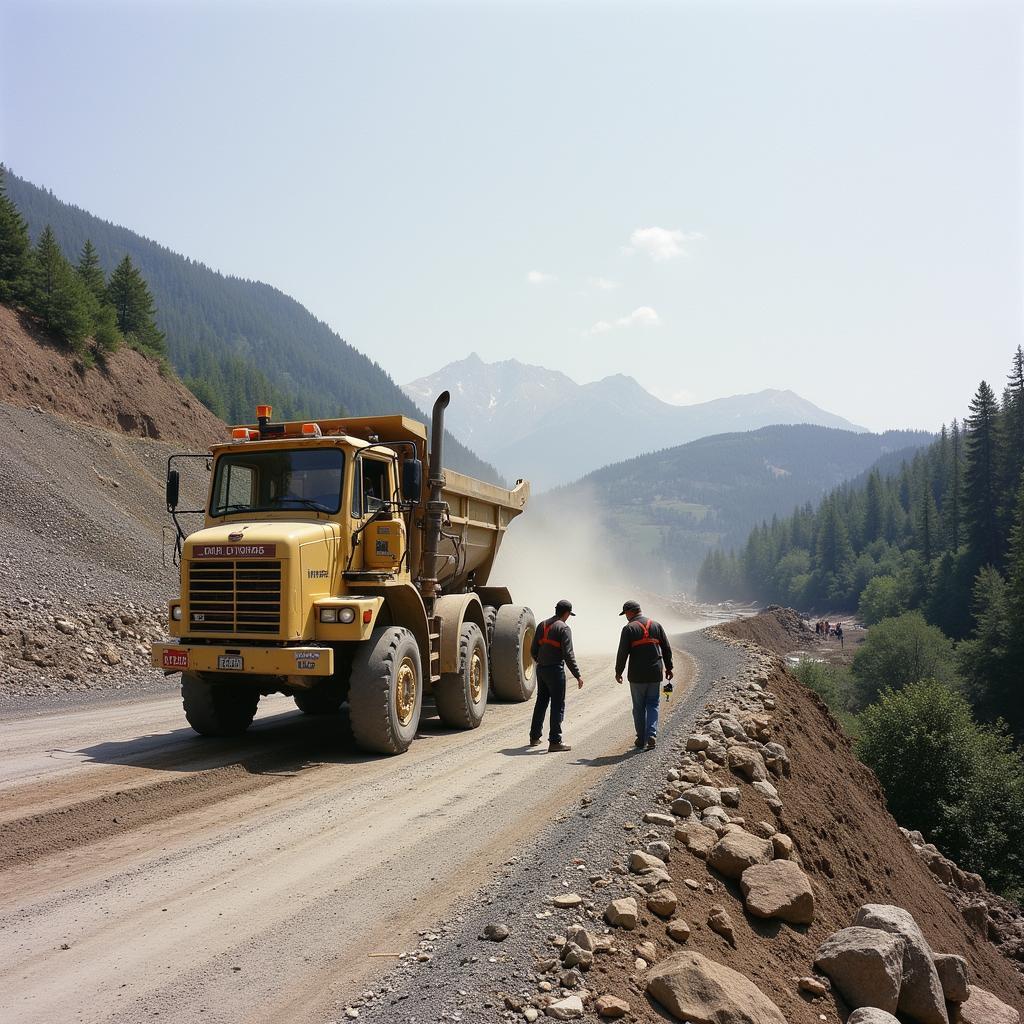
(564, 606)
(630, 606)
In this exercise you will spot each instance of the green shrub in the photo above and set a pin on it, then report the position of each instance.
(958, 782)
(900, 651)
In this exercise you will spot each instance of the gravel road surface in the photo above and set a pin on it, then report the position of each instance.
(151, 874)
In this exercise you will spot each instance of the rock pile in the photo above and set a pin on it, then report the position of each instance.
(882, 965)
(991, 916)
(49, 647)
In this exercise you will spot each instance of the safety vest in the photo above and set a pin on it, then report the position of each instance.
(646, 638)
(544, 627)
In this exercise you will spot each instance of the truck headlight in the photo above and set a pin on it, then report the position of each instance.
(176, 613)
(347, 615)
(328, 614)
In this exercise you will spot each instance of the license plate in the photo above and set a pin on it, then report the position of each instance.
(230, 662)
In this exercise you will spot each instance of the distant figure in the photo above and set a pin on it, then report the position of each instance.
(839, 635)
(645, 644)
(551, 647)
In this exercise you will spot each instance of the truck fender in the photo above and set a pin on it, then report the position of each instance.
(454, 610)
(403, 606)
(494, 596)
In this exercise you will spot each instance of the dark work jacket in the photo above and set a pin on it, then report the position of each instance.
(546, 654)
(647, 662)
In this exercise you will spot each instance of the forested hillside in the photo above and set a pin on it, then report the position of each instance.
(941, 537)
(234, 342)
(671, 507)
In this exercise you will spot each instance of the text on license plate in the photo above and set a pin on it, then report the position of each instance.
(230, 662)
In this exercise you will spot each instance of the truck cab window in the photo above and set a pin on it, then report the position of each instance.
(279, 480)
(376, 488)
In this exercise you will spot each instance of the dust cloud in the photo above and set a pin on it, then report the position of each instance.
(563, 549)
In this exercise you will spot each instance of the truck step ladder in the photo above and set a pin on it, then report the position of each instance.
(435, 648)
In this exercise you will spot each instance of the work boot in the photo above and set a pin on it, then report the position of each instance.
(652, 743)
(534, 741)
(558, 748)
(639, 744)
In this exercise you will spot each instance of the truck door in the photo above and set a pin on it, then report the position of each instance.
(383, 540)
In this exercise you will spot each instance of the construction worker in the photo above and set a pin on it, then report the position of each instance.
(644, 643)
(551, 647)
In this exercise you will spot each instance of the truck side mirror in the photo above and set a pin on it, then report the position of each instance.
(173, 483)
(412, 480)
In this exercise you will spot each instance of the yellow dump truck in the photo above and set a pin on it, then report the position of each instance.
(327, 572)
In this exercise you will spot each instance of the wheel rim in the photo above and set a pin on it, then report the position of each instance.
(527, 659)
(405, 691)
(476, 676)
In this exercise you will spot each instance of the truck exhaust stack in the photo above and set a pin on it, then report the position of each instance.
(436, 506)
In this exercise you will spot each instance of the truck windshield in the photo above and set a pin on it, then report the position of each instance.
(278, 481)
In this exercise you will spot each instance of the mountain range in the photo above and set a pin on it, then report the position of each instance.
(664, 511)
(235, 342)
(537, 423)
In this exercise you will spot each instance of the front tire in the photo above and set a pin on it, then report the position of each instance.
(218, 710)
(385, 695)
(461, 697)
(513, 674)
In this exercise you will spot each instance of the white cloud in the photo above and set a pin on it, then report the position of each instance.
(539, 277)
(603, 284)
(642, 316)
(661, 243)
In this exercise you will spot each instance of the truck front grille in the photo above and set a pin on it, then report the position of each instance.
(234, 597)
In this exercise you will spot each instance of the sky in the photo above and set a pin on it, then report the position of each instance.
(713, 198)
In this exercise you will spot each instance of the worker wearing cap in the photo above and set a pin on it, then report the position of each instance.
(551, 651)
(644, 643)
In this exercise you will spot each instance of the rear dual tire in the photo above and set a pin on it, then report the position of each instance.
(461, 697)
(513, 674)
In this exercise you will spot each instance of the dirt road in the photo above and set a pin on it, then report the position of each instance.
(151, 874)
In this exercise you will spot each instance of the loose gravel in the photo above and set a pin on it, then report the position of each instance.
(457, 976)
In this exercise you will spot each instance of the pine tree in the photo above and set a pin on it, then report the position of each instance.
(91, 273)
(1012, 442)
(954, 500)
(980, 483)
(874, 516)
(15, 250)
(58, 296)
(133, 305)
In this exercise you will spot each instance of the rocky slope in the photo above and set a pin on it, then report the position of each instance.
(84, 565)
(125, 392)
(756, 878)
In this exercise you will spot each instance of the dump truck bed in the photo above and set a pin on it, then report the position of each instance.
(480, 514)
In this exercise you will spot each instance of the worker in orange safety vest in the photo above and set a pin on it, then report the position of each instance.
(552, 651)
(644, 644)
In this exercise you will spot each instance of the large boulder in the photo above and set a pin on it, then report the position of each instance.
(921, 992)
(982, 1007)
(778, 889)
(865, 965)
(700, 797)
(954, 976)
(748, 763)
(695, 989)
(871, 1015)
(738, 850)
(622, 913)
(698, 838)
(640, 861)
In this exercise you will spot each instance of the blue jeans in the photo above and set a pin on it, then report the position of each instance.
(645, 709)
(550, 688)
